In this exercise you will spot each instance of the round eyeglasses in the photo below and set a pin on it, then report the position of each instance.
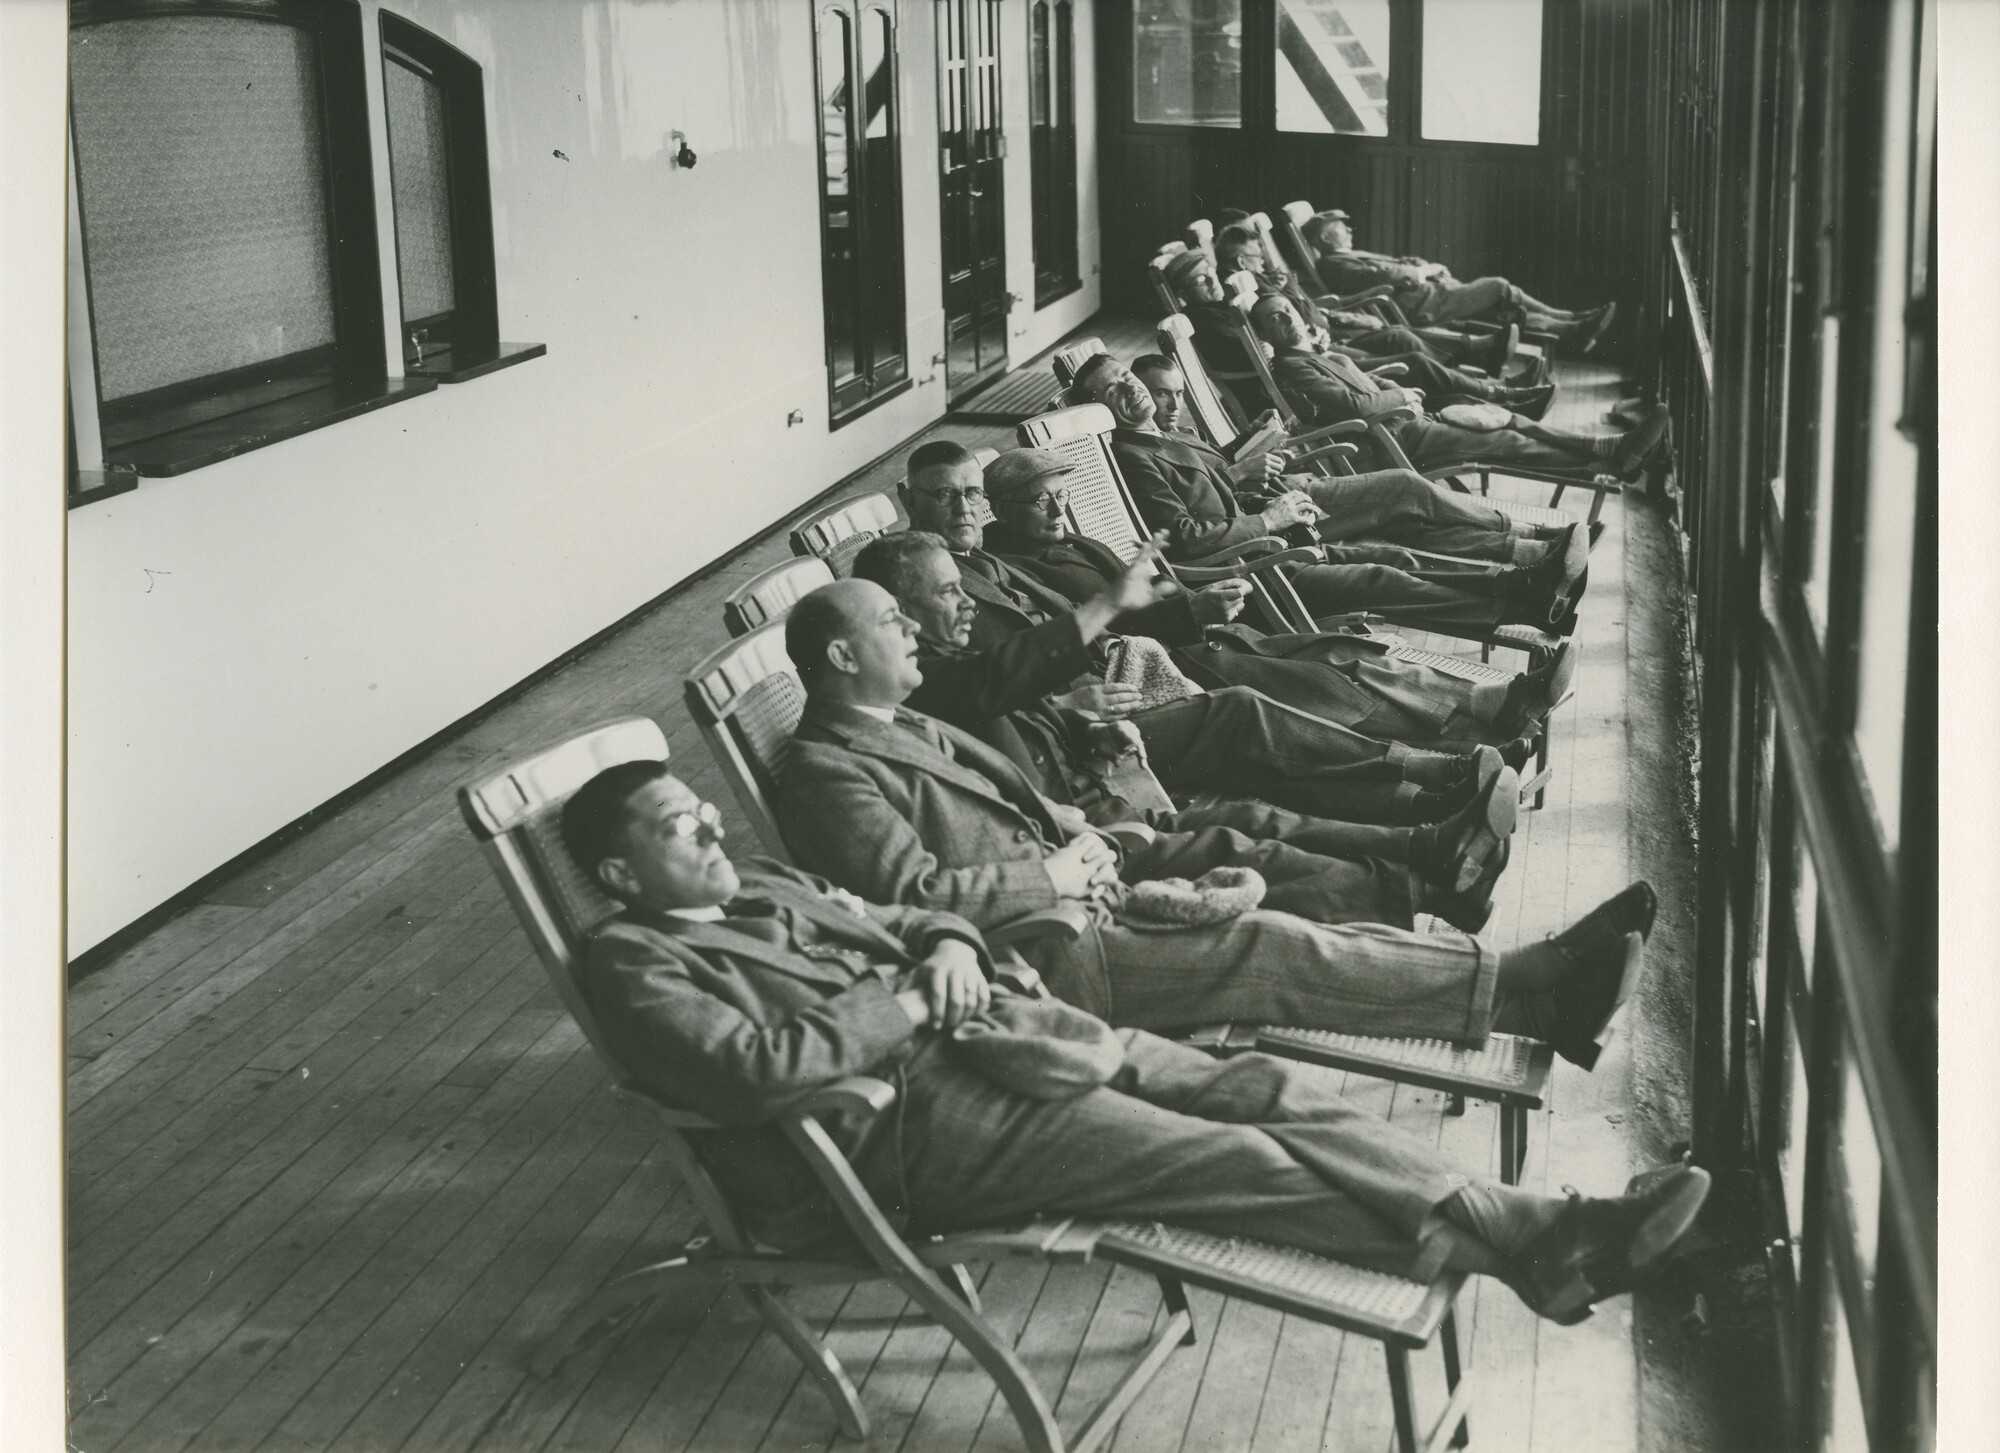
(703, 824)
(970, 495)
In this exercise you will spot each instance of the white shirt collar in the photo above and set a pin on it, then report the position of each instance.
(711, 914)
(880, 713)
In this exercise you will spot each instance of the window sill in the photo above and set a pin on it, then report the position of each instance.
(868, 406)
(1056, 292)
(88, 486)
(211, 441)
(460, 365)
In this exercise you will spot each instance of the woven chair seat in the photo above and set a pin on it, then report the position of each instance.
(1508, 1067)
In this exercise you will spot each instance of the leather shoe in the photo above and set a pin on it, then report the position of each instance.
(1533, 402)
(1532, 695)
(1601, 324)
(1605, 1245)
(1464, 846)
(1638, 447)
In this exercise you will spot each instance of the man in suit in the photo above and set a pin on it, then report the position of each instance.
(901, 808)
(738, 995)
(1005, 698)
(1234, 739)
(1183, 487)
(1326, 388)
(1346, 678)
(1430, 294)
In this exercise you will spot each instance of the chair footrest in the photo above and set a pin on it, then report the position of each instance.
(1510, 1068)
(1463, 667)
(1537, 643)
(1373, 1303)
(1548, 515)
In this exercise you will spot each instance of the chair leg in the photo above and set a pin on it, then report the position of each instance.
(1510, 1171)
(818, 1358)
(1175, 1297)
(1448, 1341)
(1399, 1398)
(967, 1289)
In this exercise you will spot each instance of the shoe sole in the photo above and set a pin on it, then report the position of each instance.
(1586, 1054)
(1655, 1237)
(1502, 805)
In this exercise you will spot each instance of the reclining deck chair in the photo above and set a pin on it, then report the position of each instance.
(1067, 360)
(767, 595)
(514, 815)
(746, 699)
(836, 532)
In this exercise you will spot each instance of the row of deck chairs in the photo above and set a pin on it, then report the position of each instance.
(747, 700)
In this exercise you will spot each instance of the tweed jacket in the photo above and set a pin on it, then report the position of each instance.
(1330, 388)
(886, 813)
(1077, 567)
(1182, 487)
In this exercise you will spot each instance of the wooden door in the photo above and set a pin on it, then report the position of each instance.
(972, 146)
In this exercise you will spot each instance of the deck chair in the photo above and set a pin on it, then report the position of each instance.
(1067, 360)
(1156, 274)
(1199, 236)
(837, 532)
(1317, 448)
(747, 700)
(767, 595)
(514, 815)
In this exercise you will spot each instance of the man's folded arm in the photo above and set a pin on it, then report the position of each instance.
(1162, 508)
(703, 1054)
(968, 689)
(919, 929)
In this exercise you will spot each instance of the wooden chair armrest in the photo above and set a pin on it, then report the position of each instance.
(1254, 554)
(1389, 370)
(1398, 415)
(1325, 451)
(1350, 300)
(1062, 924)
(855, 1095)
(1345, 429)
(1131, 836)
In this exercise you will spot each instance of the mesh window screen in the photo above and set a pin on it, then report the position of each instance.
(200, 165)
(419, 168)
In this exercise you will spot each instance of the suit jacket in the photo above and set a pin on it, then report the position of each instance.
(734, 1027)
(932, 817)
(1330, 388)
(1182, 487)
(1356, 272)
(1077, 567)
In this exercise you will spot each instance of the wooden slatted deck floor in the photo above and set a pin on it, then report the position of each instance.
(338, 1161)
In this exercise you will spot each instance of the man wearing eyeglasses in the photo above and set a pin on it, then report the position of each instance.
(737, 995)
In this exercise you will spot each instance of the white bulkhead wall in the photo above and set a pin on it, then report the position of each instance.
(249, 640)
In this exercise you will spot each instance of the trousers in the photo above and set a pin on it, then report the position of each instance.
(1266, 967)
(1403, 508)
(1487, 299)
(1433, 444)
(1308, 883)
(1250, 1146)
(1239, 743)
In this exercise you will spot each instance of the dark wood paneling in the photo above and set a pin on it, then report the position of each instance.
(1568, 220)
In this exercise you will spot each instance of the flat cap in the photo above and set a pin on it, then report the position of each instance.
(1010, 476)
(1182, 266)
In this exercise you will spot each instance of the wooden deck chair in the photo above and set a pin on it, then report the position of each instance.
(515, 815)
(767, 595)
(837, 532)
(1156, 274)
(1069, 359)
(746, 699)
(1199, 236)
(1317, 448)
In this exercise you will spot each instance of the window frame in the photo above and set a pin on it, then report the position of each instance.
(184, 425)
(1052, 162)
(472, 347)
(1259, 103)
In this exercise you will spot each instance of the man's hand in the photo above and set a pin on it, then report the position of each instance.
(1138, 585)
(1288, 509)
(1113, 739)
(1082, 868)
(950, 987)
(1220, 603)
(1107, 701)
(1258, 470)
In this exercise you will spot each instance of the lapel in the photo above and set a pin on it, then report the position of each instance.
(832, 918)
(863, 733)
(1050, 602)
(716, 939)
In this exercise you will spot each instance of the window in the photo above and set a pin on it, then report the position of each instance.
(1052, 143)
(1404, 71)
(227, 222)
(1483, 71)
(435, 99)
(1333, 66)
(1187, 62)
(861, 207)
